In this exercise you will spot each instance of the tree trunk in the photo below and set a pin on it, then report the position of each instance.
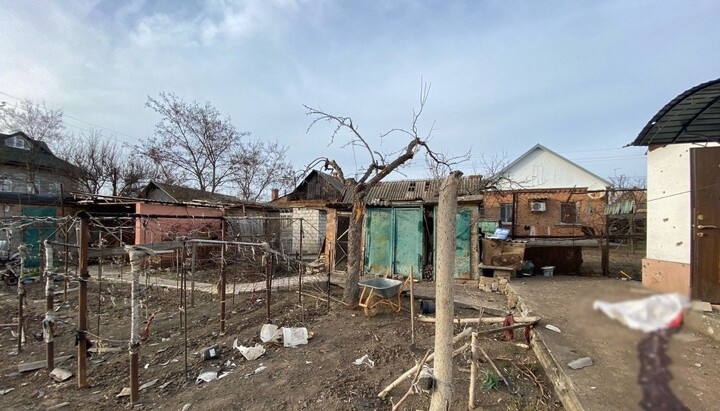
(444, 310)
(352, 289)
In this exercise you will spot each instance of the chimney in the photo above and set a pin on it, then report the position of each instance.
(274, 194)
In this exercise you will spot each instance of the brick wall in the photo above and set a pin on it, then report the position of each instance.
(588, 212)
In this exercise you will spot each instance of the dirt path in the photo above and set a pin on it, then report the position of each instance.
(612, 381)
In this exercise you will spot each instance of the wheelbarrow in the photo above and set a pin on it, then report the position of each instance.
(379, 291)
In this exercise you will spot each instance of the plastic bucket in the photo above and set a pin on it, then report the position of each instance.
(548, 270)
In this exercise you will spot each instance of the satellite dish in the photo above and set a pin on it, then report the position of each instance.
(596, 191)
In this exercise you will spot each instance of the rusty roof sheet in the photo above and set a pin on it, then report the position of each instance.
(421, 190)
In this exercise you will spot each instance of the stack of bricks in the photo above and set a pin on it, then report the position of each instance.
(498, 282)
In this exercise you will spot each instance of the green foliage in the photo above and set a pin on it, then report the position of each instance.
(490, 380)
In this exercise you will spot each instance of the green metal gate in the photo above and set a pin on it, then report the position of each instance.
(393, 240)
(37, 232)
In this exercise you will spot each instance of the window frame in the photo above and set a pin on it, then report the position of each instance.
(506, 206)
(576, 213)
(17, 142)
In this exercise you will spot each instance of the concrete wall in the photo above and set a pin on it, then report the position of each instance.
(667, 266)
(668, 205)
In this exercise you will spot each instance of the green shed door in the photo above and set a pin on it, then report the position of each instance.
(36, 232)
(378, 245)
(463, 238)
(463, 242)
(408, 241)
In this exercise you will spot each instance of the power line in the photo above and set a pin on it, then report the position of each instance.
(80, 120)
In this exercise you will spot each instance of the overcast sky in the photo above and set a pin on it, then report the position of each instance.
(579, 77)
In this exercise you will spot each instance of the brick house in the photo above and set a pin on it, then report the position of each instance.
(543, 194)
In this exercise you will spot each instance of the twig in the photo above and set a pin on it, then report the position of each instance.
(412, 308)
(492, 363)
(412, 382)
(484, 320)
(409, 372)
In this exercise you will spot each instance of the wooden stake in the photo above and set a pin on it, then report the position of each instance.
(484, 320)
(49, 305)
(409, 372)
(473, 371)
(497, 370)
(223, 285)
(414, 378)
(82, 301)
(412, 308)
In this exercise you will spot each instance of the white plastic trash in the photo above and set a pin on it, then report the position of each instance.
(270, 333)
(548, 270)
(294, 336)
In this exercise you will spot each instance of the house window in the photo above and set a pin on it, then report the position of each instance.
(6, 185)
(506, 213)
(17, 142)
(568, 213)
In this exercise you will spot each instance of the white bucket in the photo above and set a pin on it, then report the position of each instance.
(548, 270)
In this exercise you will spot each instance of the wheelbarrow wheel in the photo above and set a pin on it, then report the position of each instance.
(372, 309)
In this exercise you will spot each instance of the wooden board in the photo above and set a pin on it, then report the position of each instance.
(36, 365)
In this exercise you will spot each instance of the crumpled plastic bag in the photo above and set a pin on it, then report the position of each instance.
(250, 353)
(365, 359)
(294, 336)
(649, 314)
(270, 333)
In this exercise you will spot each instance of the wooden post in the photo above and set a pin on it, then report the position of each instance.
(183, 306)
(21, 297)
(473, 371)
(99, 280)
(605, 249)
(49, 307)
(192, 275)
(268, 282)
(447, 211)
(300, 274)
(82, 300)
(412, 307)
(135, 255)
(223, 285)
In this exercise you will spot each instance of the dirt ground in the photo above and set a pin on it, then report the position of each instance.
(621, 258)
(612, 381)
(319, 375)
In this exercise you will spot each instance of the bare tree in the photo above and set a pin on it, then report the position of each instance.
(380, 166)
(94, 155)
(40, 124)
(131, 174)
(259, 166)
(193, 143)
(438, 170)
(35, 120)
(447, 210)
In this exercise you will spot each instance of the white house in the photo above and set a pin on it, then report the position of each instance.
(683, 194)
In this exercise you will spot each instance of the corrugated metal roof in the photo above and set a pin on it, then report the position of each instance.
(415, 190)
(691, 117)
